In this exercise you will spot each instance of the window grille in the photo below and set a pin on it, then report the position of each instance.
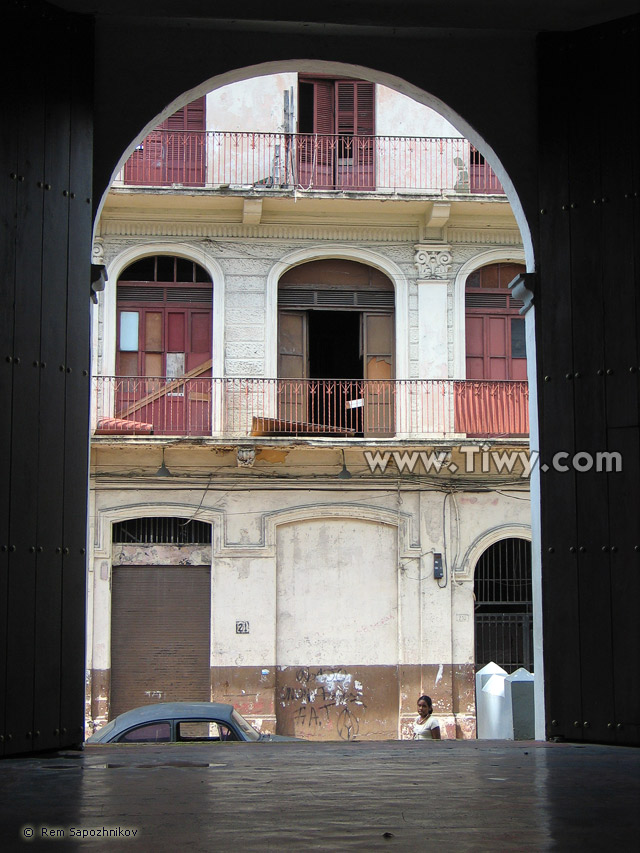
(161, 531)
(503, 606)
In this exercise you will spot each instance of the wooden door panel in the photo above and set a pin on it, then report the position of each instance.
(292, 364)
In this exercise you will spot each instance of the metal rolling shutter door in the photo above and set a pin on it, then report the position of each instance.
(160, 635)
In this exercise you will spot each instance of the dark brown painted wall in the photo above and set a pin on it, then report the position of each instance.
(45, 222)
(587, 313)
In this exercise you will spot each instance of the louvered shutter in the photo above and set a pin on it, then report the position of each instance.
(184, 144)
(378, 346)
(355, 126)
(365, 118)
(322, 153)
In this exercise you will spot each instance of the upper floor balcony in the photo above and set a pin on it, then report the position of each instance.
(243, 161)
(236, 408)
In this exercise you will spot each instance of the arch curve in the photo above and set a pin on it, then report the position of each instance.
(127, 256)
(342, 251)
(491, 256)
(486, 540)
(336, 67)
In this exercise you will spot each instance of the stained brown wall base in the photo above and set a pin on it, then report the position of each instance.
(348, 702)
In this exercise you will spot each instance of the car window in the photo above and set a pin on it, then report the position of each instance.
(249, 732)
(148, 733)
(204, 730)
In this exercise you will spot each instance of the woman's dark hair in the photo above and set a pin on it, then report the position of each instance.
(427, 700)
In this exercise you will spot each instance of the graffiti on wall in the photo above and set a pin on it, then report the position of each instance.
(327, 698)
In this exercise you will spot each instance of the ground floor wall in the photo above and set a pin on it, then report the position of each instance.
(326, 620)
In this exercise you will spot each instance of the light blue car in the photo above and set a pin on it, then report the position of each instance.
(181, 722)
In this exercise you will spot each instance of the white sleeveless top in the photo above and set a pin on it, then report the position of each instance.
(422, 731)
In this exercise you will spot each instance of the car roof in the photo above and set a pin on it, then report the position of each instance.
(171, 710)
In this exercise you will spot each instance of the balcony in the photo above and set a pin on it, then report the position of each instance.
(233, 408)
(309, 162)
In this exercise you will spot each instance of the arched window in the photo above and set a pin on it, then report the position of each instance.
(503, 606)
(495, 340)
(164, 308)
(163, 347)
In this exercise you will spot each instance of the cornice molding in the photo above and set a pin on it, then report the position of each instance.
(497, 236)
(289, 231)
(150, 228)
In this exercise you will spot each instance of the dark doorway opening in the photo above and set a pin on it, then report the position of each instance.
(334, 345)
(334, 353)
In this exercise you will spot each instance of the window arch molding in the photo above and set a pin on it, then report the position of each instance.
(128, 256)
(492, 256)
(485, 541)
(347, 253)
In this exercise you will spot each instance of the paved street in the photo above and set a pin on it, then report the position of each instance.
(397, 796)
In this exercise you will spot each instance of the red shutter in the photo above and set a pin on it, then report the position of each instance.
(365, 118)
(185, 143)
(199, 349)
(342, 108)
(189, 117)
(321, 155)
(323, 115)
(355, 124)
(175, 331)
(345, 106)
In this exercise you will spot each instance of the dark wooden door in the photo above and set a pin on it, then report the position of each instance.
(587, 321)
(45, 235)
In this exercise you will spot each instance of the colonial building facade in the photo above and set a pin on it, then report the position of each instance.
(309, 465)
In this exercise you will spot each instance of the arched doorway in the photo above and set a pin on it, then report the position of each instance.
(494, 329)
(503, 606)
(163, 345)
(336, 339)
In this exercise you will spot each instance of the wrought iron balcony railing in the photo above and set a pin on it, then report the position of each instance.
(236, 408)
(286, 161)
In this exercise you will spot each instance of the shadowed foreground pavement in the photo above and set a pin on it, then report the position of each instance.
(395, 796)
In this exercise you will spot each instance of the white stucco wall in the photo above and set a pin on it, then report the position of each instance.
(399, 115)
(251, 105)
(258, 105)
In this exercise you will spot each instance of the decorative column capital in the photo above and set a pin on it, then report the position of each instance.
(433, 262)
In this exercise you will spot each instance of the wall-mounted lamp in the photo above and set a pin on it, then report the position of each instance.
(345, 474)
(163, 471)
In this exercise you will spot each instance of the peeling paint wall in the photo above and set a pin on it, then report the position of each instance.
(326, 620)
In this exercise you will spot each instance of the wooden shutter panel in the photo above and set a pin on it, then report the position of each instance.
(292, 364)
(292, 345)
(184, 146)
(364, 112)
(355, 124)
(378, 345)
(345, 106)
(355, 108)
(189, 117)
(323, 115)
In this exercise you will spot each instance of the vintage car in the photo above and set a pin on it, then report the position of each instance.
(180, 722)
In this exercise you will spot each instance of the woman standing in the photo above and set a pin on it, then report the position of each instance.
(426, 727)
